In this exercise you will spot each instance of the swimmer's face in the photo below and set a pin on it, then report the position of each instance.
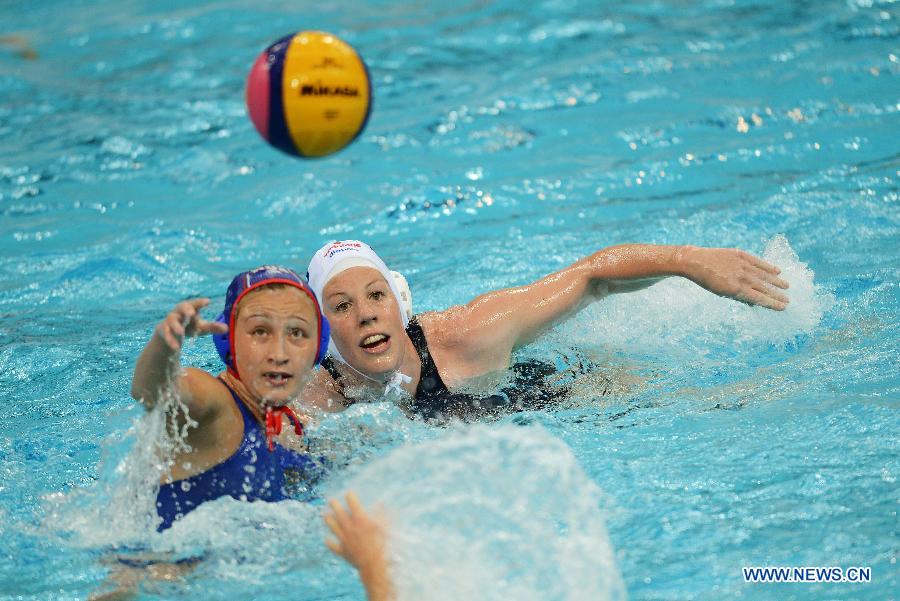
(365, 320)
(275, 339)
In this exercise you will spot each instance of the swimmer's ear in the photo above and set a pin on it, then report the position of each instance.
(405, 299)
(223, 346)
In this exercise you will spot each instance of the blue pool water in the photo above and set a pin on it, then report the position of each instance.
(507, 140)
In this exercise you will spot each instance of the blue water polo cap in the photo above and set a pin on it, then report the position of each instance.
(242, 284)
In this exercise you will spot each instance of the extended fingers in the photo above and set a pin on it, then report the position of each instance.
(176, 322)
(211, 327)
(335, 547)
(338, 515)
(764, 299)
(198, 303)
(183, 313)
(379, 514)
(333, 525)
(767, 284)
(354, 505)
(770, 278)
(180, 322)
(188, 313)
(171, 330)
(764, 265)
(184, 320)
(765, 288)
(781, 300)
(165, 332)
(191, 308)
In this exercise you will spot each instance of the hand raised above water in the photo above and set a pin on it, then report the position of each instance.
(361, 541)
(360, 538)
(184, 321)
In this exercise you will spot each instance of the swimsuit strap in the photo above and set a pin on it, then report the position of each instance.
(249, 418)
(328, 364)
(430, 382)
(331, 368)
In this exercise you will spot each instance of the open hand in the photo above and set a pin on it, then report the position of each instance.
(184, 321)
(736, 274)
(360, 538)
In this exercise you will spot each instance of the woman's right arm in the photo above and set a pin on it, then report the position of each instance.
(158, 364)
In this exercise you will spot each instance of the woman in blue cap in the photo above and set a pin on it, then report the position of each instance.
(270, 336)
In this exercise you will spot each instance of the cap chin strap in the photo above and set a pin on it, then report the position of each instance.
(395, 382)
(273, 423)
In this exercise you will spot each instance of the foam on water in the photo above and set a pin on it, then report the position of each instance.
(120, 509)
(465, 509)
(676, 316)
(493, 514)
(510, 139)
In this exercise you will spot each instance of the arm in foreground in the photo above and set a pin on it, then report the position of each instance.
(497, 322)
(361, 543)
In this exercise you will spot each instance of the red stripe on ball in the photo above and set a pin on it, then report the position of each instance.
(258, 94)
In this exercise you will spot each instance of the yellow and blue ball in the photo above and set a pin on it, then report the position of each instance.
(309, 94)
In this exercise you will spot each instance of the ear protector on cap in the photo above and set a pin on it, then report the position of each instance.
(221, 342)
(405, 299)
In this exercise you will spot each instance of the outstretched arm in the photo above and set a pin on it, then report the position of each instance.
(158, 362)
(493, 324)
(361, 543)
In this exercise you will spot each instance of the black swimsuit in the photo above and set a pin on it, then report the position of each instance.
(434, 401)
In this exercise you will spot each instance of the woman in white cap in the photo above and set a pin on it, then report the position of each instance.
(377, 343)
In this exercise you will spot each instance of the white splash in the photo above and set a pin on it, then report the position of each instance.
(677, 315)
(120, 509)
(492, 514)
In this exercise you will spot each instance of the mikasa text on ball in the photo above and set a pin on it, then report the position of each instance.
(309, 94)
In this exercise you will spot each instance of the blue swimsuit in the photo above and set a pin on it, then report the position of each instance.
(252, 473)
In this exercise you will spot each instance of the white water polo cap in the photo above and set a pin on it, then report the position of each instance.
(335, 257)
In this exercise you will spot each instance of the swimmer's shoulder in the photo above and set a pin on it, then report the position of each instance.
(323, 393)
(206, 396)
(456, 330)
(459, 345)
(442, 328)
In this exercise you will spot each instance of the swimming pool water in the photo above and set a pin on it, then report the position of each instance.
(506, 141)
